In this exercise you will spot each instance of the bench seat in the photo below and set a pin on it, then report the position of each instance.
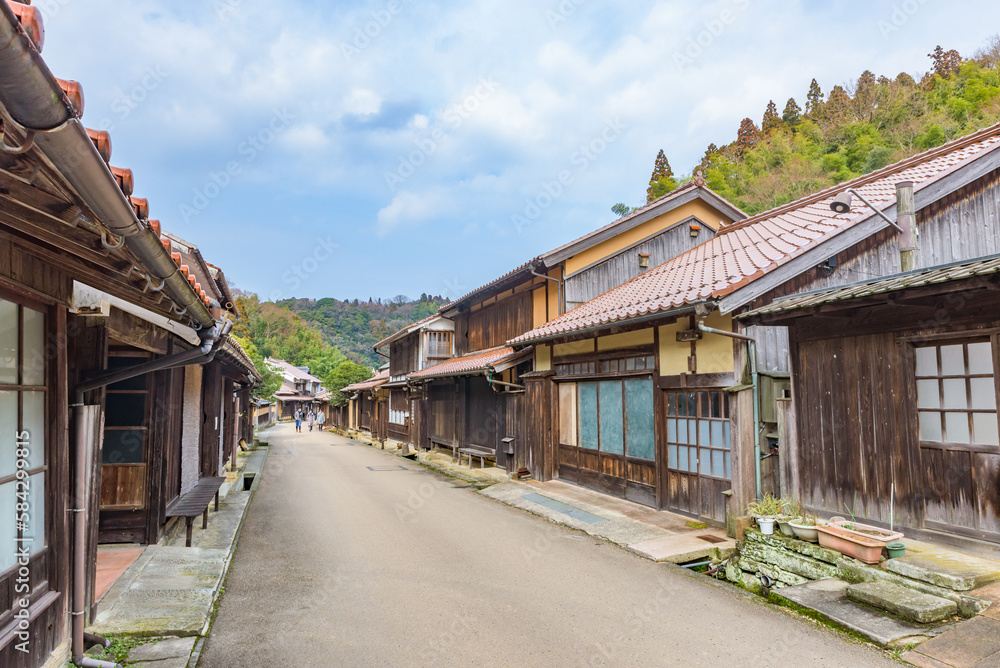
(195, 503)
(476, 451)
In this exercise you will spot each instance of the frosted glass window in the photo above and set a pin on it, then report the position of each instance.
(34, 423)
(984, 427)
(8, 342)
(953, 360)
(682, 431)
(930, 427)
(984, 394)
(672, 430)
(682, 459)
(672, 456)
(927, 362)
(956, 427)
(928, 394)
(980, 358)
(36, 512)
(704, 461)
(718, 440)
(8, 526)
(954, 393)
(729, 472)
(33, 369)
(8, 434)
(704, 426)
(718, 468)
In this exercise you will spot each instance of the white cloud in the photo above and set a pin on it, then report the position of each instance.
(408, 208)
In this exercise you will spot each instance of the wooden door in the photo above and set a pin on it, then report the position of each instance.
(957, 392)
(698, 452)
(125, 454)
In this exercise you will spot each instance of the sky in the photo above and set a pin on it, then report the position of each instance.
(371, 149)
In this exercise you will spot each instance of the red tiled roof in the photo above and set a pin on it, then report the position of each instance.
(409, 328)
(376, 380)
(524, 268)
(745, 251)
(466, 364)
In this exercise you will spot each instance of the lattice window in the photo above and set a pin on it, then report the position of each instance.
(698, 433)
(438, 345)
(957, 394)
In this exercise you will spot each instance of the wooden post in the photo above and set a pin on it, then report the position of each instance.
(788, 450)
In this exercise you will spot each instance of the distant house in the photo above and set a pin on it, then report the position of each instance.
(368, 406)
(299, 390)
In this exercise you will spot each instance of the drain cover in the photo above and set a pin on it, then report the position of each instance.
(386, 468)
(712, 539)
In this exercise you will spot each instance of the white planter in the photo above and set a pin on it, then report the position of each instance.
(806, 532)
(783, 524)
(766, 525)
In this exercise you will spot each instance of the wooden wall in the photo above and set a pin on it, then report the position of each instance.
(404, 356)
(493, 324)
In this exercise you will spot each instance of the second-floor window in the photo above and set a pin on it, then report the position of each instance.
(438, 345)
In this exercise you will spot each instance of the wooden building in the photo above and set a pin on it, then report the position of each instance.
(368, 407)
(474, 398)
(718, 384)
(300, 390)
(119, 387)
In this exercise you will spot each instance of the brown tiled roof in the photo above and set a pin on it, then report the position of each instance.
(376, 380)
(405, 330)
(465, 365)
(745, 251)
(947, 273)
(523, 269)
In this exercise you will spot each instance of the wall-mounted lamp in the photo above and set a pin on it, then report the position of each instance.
(643, 260)
(842, 204)
(695, 230)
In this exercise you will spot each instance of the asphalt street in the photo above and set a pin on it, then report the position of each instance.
(352, 557)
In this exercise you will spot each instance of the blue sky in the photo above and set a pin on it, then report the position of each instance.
(357, 149)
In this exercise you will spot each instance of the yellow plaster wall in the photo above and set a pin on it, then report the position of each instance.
(641, 337)
(573, 348)
(707, 214)
(715, 352)
(540, 314)
(543, 358)
(673, 355)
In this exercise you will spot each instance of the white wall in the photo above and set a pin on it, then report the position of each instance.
(191, 431)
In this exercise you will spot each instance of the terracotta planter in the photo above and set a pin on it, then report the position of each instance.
(851, 543)
(884, 535)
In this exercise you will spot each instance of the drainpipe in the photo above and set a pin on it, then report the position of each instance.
(84, 446)
(559, 283)
(493, 383)
(752, 352)
(36, 103)
(906, 217)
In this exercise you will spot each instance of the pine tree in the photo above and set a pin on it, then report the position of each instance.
(814, 99)
(706, 160)
(661, 171)
(945, 62)
(837, 105)
(771, 120)
(792, 115)
(747, 137)
(904, 79)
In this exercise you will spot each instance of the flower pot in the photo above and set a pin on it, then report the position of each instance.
(861, 547)
(784, 525)
(766, 525)
(806, 532)
(895, 550)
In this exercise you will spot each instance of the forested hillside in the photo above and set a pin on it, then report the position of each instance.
(853, 129)
(354, 326)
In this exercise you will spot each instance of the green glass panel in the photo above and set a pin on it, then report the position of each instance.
(639, 418)
(612, 423)
(587, 393)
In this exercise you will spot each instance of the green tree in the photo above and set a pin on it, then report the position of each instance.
(271, 381)
(945, 63)
(621, 209)
(814, 99)
(344, 374)
(771, 121)
(747, 137)
(792, 115)
(661, 171)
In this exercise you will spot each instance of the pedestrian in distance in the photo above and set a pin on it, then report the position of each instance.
(310, 419)
(321, 419)
(298, 419)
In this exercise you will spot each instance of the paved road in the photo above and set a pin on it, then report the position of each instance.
(346, 560)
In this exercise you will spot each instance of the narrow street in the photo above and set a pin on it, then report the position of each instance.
(352, 557)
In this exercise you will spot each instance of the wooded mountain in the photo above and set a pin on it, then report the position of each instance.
(855, 129)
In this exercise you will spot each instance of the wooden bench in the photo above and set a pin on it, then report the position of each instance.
(476, 451)
(440, 442)
(195, 503)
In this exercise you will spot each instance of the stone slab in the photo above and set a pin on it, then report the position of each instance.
(944, 568)
(806, 548)
(903, 602)
(972, 643)
(169, 649)
(682, 548)
(794, 562)
(828, 597)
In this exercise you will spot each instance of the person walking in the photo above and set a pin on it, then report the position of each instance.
(310, 419)
(298, 419)
(321, 419)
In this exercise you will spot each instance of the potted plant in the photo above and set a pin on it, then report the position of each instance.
(765, 512)
(805, 528)
(791, 510)
(861, 541)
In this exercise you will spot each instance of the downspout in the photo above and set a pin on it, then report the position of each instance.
(33, 98)
(489, 379)
(752, 352)
(559, 288)
(83, 451)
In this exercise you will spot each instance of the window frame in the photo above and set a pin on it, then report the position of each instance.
(703, 398)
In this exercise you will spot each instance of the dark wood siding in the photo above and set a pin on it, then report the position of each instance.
(403, 357)
(493, 324)
(442, 411)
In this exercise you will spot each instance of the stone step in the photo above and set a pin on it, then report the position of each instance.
(902, 602)
(944, 568)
